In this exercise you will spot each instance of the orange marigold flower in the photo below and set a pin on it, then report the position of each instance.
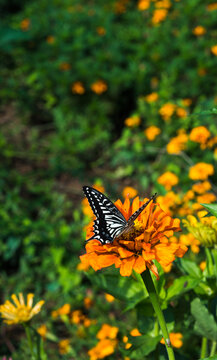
(24, 25)
(42, 330)
(127, 344)
(175, 339)
(109, 298)
(100, 30)
(177, 144)
(168, 201)
(135, 332)
(88, 302)
(200, 134)
(129, 192)
(78, 88)
(64, 346)
(212, 7)
(180, 112)
(137, 249)
(167, 110)
(190, 240)
(163, 4)
(99, 87)
(64, 66)
(168, 180)
(77, 317)
(199, 30)
(107, 331)
(201, 187)
(143, 5)
(214, 50)
(104, 348)
(202, 265)
(201, 171)
(64, 310)
(159, 15)
(133, 121)
(152, 97)
(187, 102)
(50, 39)
(152, 132)
(206, 198)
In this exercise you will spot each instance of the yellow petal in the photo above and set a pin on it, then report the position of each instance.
(15, 300)
(30, 300)
(22, 302)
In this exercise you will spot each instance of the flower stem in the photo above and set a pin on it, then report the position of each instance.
(29, 338)
(213, 348)
(155, 303)
(203, 348)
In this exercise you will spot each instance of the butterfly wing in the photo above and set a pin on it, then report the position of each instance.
(109, 221)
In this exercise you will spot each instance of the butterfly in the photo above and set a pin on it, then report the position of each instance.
(110, 223)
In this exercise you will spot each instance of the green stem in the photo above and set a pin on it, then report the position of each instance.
(213, 348)
(29, 338)
(155, 303)
(203, 348)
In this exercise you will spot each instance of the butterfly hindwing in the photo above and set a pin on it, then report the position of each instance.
(109, 221)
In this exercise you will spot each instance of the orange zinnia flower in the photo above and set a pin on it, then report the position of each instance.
(136, 250)
(175, 338)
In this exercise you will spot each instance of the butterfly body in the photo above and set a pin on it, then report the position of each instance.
(110, 222)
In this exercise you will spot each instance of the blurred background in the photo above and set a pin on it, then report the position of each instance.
(96, 93)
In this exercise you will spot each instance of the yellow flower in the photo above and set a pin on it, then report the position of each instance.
(163, 4)
(129, 192)
(175, 339)
(202, 265)
(199, 30)
(143, 5)
(200, 134)
(212, 7)
(109, 298)
(168, 180)
(190, 240)
(159, 15)
(167, 110)
(201, 171)
(152, 97)
(78, 88)
(64, 346)
(99, 87)
(151, 132)
(177, 144)
(42, 330)
(25, 23)
(21, 312)
(201, 187)
(133, 121)
(214, 50)
(204, 229)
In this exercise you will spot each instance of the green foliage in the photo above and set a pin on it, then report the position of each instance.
(205, 323)
(211, 208)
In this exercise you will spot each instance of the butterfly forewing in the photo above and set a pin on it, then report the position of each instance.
(109, 221)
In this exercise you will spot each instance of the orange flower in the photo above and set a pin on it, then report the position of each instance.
(64, 310)
(175, 339)
(78, 88)
(187, 102)
(190, 240)
(177, 144)
(168, 201)
(64, 66)
(42, 330)
(168, 180)
(214, 50)
(50, 39)
(109, 298)
(152, 97)
(100, 30)
(127, 344)
(143, 5)
(129, 192)
(133, 121)
(167, 110)
(107, 331)
(206, 198)
(135, 332)
(99, 87)
(163, 4)
(137, 249)
(151, 132)
(200, 134)
(199, 30)
(64, 346)
(104, 348)
(202, 265)
(88, 302)
(212, 7)
(201, 171)
(159, 15)
(180, 112)
(25, 23)
(201, 187)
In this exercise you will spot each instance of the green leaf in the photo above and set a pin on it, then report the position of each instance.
(128, 289)
(210, 358)
(211, 208)
(191, 268)
(205, 323)
(181, 285)
(142, 345)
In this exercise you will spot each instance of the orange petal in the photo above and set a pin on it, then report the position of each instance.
(139, 265)
(127, 266)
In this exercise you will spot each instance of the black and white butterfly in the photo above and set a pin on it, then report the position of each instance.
(110, 222)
